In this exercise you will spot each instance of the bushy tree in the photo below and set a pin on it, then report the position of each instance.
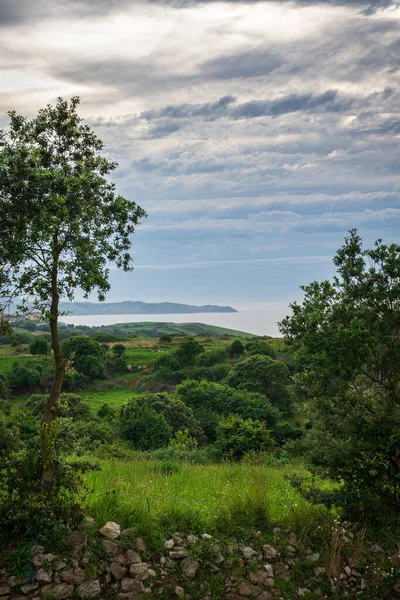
(260, 347)
(85, 355)
(119, 349)
(39, 345)
(25, 378)
(211, 358)
(263, 375)
(177, 414)
(61, 225)
(211, 401)
(346, 332)
(187, 352)
(236, 349)
(143, 427)
(237, 436)
(70, 405)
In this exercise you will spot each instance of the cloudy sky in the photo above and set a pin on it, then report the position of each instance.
(255, 134)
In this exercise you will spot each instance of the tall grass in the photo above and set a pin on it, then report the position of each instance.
(217, 499)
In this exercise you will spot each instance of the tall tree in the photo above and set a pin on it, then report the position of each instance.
(62, 225)
(347, 334)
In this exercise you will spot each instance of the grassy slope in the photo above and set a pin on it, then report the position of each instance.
(153, 329)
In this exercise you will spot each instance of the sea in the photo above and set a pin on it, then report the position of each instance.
(257, 318)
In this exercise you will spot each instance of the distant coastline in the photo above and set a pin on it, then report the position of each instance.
(134, 307)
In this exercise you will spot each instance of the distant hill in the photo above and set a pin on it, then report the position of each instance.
(152, 329)
(133, 307)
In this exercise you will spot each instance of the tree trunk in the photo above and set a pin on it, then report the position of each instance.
(47, 430)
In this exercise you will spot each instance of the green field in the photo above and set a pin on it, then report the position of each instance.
(198, 498)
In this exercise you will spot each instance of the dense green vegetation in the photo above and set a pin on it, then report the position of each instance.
(161, 430)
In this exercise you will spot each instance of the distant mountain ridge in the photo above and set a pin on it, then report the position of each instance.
(136, 307)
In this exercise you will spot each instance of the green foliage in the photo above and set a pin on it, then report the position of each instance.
(19, 561)
(106, 412)
(210, 401)
(346, 333)
(85, 355)
(213, 357)
(39, 345)
(83, 224)
(177, 414)
(70, 405)
(236, 349)
(23, 507)
(182, 440)
(187, 352)
(262, 374)
(4, 387)
(237, 436)
(25, 377)
(260, 347)
(216, 373)
(143, 427)
(118, 349)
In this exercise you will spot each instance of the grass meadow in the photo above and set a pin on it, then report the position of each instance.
(220, 499)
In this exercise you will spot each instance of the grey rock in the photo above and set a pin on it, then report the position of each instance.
(37, 550)
(37, 560)
(179, 553)
(140, 545)
(265, 596)
(318, 571)
(189, 567)
(169, 544)
(206, 536)
(269, 552)
(89, 589)
(314, 558)
(4, 590)
(139, 571)
(111, 530)
(152, 573)
(75, 576)
(248, 552)
(117, 570)
(88, 523)
(130, 596)
(44, 576)
(111, 548)
(58, 565)
(247, 589)
(132, 557)
(259, 577)
(49, 558)
(179, 591)
(120, 559)
(132, 585)
(29, 587)
(13, 580)
(58, 591)
(269, 570)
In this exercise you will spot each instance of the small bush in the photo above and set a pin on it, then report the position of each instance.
(237, 436)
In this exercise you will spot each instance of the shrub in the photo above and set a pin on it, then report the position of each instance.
(182, 440)
(211, 358)
(260, 347)
(118, 349)
(23, 378)
(236, 348)
(264, 375)
(237, 436)
(39, 345)
(70, 405)
(144, 428)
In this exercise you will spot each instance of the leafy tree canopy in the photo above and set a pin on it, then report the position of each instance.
(346, 332)
(262, 374)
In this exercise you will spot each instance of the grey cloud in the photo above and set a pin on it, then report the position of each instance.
(162, 129)
(252, 63)
(228, 108)
(208, 110)
(366, 6)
